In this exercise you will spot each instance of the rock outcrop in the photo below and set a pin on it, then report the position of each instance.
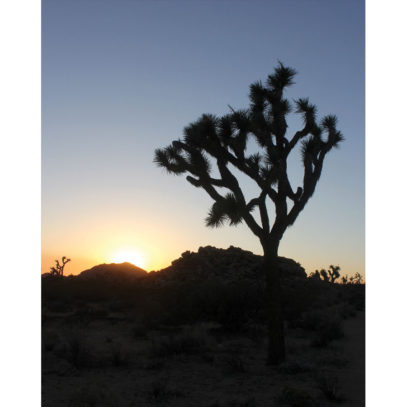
(232, 264)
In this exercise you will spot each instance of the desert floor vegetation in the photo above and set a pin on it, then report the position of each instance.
(141, 345)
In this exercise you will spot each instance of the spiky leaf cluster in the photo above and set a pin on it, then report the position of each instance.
(226, 209)
(223, 141)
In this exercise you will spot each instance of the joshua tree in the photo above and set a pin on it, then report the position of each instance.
(356, 279)
(58, 270)
(222, 141)
(331, 275)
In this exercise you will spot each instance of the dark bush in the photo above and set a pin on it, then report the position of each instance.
(328, 384)
(80, 354)
(161, 392)
(293, 397)
(94, 396)
(250, 402)
(183, 344)
(293, 368)
(328, 330)
(120, 356)
(235, 364)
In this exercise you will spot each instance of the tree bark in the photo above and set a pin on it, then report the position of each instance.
(274, 309)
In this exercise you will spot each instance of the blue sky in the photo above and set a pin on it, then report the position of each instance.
(121, 78)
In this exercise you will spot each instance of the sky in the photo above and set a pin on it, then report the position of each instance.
(122, 78)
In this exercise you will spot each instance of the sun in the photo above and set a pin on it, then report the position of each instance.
(130, 256)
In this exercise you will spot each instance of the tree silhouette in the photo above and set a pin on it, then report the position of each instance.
(329, 275)
(58, 270)
(222, 141)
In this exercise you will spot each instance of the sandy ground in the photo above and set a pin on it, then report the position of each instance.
(352, 378)
(119, 366)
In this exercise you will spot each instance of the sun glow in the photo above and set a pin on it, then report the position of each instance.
(129, 255)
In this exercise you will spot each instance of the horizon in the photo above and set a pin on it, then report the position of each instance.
(119, 82)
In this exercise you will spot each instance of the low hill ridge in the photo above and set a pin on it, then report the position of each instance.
(228, 264)
(113, 271)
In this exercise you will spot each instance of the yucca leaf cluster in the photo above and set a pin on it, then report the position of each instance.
(222, 142)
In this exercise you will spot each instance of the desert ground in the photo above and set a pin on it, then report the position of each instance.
(107, 347)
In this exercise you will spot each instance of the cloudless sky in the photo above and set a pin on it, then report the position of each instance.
(122, 78)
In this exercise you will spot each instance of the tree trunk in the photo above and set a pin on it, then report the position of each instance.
(276, 341)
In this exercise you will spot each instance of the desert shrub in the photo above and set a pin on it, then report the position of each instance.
(238, 304)
(208, 357)
(328, 384)
(93, 396)
(355, 295)
(335, 360)
(78, 352)
(300, 296)
(187, 343)
(293, 397)
(161, 392)
(50, 339)
(59, 306)
(117, 306)
(293, 368)
(256, 332)
(326, 324)
(250, 402)
(155, 364)
(97, 312)
(139, 331)
(327, 331)
(347, 311)
(313, 319)
(235, 364)
(231, 305)
(82, 313)
(119, 356)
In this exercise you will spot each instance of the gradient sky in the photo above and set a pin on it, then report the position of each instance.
(121, 78)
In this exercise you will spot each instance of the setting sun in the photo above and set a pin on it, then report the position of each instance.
(130, 256)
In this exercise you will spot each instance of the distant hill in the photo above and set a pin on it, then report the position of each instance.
(113, 271)
(227, 264)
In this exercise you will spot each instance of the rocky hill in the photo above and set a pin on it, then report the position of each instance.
(232, 264)
(208, 263)
(113, 271)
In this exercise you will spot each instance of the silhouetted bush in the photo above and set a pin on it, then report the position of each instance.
(293, 397)
(183, 344)
(293, 368)
(139, 331)
(155, 364)
(327, 331)
(153, 301)
(80, 354)
(161, 392)
(94, 396)
(120, 355)
(299, 296)
(326, 325)
(235, 364)
(335, 359)
(328, 384)
(347, 311)
(313, 319)
(49, 339)
(250, 402)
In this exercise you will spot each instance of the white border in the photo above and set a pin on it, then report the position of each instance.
(20, 169)
(386, 202)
